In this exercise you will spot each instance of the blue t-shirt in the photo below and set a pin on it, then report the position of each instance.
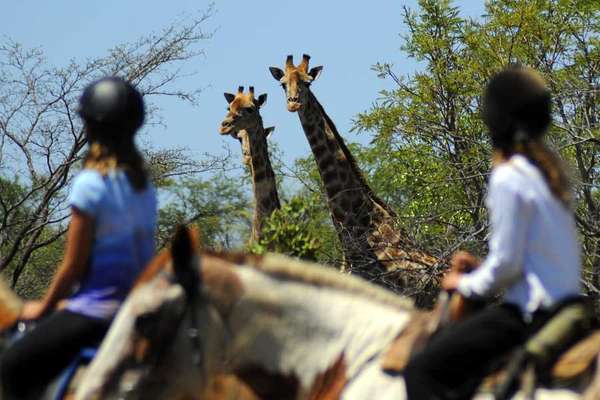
(123, 241)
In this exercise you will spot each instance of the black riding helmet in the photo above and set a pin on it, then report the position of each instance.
(113, 105)
(516, 107)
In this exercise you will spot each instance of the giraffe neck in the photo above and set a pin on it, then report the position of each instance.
(345, 185)
(364, 223)
(372, 244)
(263, 180)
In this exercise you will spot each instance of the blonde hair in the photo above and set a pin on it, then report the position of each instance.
(104, 157)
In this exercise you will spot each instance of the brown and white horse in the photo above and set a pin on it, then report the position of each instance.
(288, 329)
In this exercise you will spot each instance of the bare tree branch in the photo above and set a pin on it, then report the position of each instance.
(41, 142)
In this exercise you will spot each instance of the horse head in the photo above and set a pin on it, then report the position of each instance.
(164, 332)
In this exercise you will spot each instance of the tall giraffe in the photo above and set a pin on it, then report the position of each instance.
(372, 245)
(243, 122)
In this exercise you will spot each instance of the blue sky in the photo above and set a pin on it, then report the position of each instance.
(345, 37)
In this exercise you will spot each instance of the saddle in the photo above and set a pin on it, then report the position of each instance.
(563, 349)
(448, 308)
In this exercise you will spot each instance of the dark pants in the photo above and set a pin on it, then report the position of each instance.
(32, 362)
(456, 360)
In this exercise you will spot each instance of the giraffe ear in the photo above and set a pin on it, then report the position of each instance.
(269, 131)
(262, 99)
(315, 72)
(229, 97)
(277, 73)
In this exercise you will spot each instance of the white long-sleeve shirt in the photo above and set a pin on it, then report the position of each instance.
(533, 249)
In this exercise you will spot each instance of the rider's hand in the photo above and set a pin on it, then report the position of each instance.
(32, 310)
(61, 305)
(463, 261)
(451, 279)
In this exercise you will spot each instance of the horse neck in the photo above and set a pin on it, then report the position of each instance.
(289, 320)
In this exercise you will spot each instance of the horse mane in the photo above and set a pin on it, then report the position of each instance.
(164, 258)
(286, 268)
(293, 269)
(354, 322)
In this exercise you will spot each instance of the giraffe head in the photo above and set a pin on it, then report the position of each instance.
(242, 118)
(242, 112)
(295, 80)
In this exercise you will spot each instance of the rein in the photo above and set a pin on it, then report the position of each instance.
(190, 279)
(193, 332)
(191, 295)
(161, 340)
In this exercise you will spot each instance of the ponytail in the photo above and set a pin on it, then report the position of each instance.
(551, 167)
(108, 156)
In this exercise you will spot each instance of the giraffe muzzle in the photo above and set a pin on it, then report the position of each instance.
(293, 106)
(225, 128)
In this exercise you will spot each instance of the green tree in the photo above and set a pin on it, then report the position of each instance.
(217, 206)
(42, 141)
(302, 227)
(14, 213)
(293, 230)
(430, 152)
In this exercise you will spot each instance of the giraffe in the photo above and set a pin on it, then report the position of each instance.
(243, 122)
(373, 246)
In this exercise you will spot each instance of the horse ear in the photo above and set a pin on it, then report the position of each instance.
(183, 248)
(269, 131)
(229, 97)
(276, 72)
(262, 99)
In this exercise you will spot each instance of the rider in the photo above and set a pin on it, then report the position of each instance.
(533, 255)
(109, 240)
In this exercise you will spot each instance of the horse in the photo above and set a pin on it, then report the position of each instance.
(288, 329)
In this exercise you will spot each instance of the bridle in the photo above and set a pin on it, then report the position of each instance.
(191, 284)
(190, 281)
